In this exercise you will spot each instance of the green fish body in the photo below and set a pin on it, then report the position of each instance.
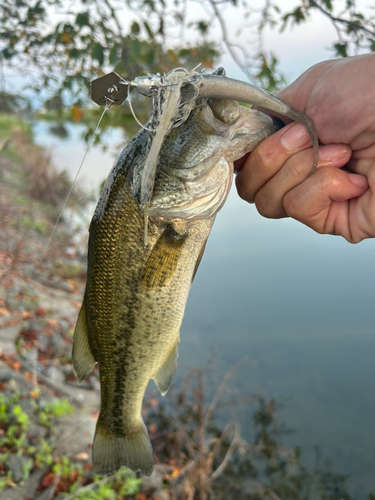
(136, 292)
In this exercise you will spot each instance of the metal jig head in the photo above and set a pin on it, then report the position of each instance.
(112, 90)
(109, 90)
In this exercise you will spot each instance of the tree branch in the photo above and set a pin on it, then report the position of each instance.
(347, 22)
(229, 45)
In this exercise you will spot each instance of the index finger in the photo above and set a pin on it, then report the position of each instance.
(269, 157)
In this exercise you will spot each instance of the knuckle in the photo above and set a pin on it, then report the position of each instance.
(265, 207)
(266, 155)
(291, 204)
(243, 189)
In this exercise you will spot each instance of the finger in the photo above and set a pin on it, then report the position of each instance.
(269, 199)
(321, 201)
(364, 166)
(267, 159)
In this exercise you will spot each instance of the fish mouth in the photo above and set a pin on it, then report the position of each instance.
(257, 121)
(252, 130)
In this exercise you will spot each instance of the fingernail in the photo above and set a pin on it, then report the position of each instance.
(295, 137)
(359, 180)
(333, 152)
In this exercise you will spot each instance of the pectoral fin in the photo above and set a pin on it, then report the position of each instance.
(83, 359)
(164, 376)
(162, 263)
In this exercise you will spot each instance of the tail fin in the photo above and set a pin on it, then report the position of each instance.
(111, 452)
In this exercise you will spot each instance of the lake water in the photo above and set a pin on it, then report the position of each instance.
(300, 305)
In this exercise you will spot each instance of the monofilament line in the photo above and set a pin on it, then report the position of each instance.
(72, 186)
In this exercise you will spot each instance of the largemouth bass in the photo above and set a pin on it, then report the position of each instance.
(136, 293)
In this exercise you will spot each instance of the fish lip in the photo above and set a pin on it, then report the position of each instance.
(257, 123)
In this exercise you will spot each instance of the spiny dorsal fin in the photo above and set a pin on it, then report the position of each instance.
(162, 263)
(164, 376)
(82, 357)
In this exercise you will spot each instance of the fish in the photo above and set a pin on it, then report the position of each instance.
(136, 290)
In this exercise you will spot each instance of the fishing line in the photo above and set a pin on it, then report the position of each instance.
(108, 105)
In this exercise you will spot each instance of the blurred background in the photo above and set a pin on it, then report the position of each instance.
(274, 394)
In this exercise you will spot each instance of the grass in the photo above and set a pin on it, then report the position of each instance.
(8, 123)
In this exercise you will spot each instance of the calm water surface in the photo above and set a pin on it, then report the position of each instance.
(300, 305)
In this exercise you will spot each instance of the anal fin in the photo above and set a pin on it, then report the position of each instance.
(83, 359)
(164, 376)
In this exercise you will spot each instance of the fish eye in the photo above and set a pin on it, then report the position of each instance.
(225, 110)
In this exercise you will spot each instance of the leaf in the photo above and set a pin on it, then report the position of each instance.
(150, 33)
(77, 113)
(135, 49)
(135, 28)
(98, 53)
(341, 49)
(298, 15)
(150, 57)
(74, 53)
(66, 38)
(328, 4)
(83, 19)
(48, 480)
(114, 54)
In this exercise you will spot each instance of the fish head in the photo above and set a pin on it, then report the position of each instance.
(195, 166)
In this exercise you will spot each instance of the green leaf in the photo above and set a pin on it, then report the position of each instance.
(202, 27)
(69, 28)
(74, 53)
(135, 28)
(150, 58)
(341, 49)
(135, 49)
(83, 19)
(114, 55)
(150, 33)
(97, 53)
(328, 4)
(298, 15)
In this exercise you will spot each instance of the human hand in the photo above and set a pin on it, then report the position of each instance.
(339, 96)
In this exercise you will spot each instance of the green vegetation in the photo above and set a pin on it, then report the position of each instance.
(15, 424)
(9, 122)
(17, 438)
